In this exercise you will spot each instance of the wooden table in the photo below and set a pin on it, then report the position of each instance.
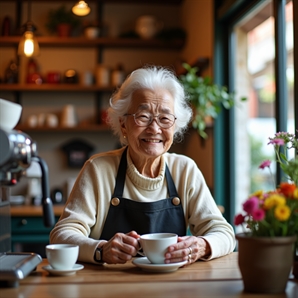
(217, 278)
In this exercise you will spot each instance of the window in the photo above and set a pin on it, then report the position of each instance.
(250, 43)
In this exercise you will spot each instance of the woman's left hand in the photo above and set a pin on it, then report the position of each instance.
(188, 248)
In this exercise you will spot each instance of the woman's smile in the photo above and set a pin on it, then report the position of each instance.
(152, 140)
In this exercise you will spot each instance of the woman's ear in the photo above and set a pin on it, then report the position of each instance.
(122, 125)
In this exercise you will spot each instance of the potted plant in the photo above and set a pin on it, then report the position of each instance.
(206, 98)
(270, 223)
(61, 21)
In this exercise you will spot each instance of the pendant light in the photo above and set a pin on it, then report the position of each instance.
(81, 9)
(28, 45)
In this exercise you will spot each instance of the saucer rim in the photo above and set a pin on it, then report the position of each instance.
(75, 268)
(157, 267)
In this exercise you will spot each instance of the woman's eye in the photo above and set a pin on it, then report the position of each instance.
(143, 117)
(164, 118)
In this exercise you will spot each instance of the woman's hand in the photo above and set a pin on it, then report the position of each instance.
(121, 248)
(188, 248)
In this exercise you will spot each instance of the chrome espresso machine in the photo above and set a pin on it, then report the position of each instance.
(17, 152)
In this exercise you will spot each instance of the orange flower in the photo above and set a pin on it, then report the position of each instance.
(287, 189)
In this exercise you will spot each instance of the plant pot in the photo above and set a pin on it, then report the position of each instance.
(265, 262)
(64, 30)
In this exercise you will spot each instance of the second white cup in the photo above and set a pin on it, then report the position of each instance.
(155, 246)
(62, 256)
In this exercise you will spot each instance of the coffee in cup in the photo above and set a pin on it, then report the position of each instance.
(155, 246)
(62, 256)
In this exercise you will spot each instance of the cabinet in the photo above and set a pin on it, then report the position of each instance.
(57, 53)
(28, 232)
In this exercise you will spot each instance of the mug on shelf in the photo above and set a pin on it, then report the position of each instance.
(148, 26)
(102, 75)
(69, 116)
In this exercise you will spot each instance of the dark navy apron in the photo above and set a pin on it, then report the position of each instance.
(125, 215)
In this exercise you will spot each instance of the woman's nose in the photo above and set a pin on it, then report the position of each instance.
(154, 125)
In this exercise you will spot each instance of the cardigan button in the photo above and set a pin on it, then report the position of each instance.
(176, 201)
(115, 202)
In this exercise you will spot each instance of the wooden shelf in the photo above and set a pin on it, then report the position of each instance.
(102, 41)
(80, 128)
(54, 87)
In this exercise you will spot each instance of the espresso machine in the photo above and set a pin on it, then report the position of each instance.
(17, 152)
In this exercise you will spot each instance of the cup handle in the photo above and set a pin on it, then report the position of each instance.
(141, 253)
(140, 247)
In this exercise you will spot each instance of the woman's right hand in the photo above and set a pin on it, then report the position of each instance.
(121, 248)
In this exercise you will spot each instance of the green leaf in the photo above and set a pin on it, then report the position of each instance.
(283, 156)
(206, 97)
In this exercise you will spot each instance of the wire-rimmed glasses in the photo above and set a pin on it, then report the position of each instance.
(145, 119)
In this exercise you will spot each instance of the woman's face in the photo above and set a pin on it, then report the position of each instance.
(149, 141)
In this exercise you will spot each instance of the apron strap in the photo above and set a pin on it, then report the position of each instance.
(120, 179)
(171, 185)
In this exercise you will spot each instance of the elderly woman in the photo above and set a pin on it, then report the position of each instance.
(141, 188)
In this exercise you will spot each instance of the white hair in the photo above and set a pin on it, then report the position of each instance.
(149, 77)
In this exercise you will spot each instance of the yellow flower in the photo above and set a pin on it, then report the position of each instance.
(282, 212)
(258, 194)
(274, 200)
(295, 194)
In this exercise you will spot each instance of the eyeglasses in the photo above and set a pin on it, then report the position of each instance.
(145, 119)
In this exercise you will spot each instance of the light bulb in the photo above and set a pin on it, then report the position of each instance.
(28, 45)
(81, 8)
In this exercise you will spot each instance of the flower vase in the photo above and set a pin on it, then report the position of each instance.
(265, 263)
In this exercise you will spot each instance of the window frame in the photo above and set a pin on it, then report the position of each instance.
(226, 16)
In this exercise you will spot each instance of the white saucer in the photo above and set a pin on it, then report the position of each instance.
(71, 271)
(146, 265)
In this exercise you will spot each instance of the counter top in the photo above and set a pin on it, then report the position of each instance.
(31, 210)
(218, 278)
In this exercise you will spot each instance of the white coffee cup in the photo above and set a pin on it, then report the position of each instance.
(62, 256)
(155, 246)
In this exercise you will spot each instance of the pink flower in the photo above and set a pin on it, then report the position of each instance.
(278, 142)
(251, 205)
(258, 214)
(238, 220)
(265, 164)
